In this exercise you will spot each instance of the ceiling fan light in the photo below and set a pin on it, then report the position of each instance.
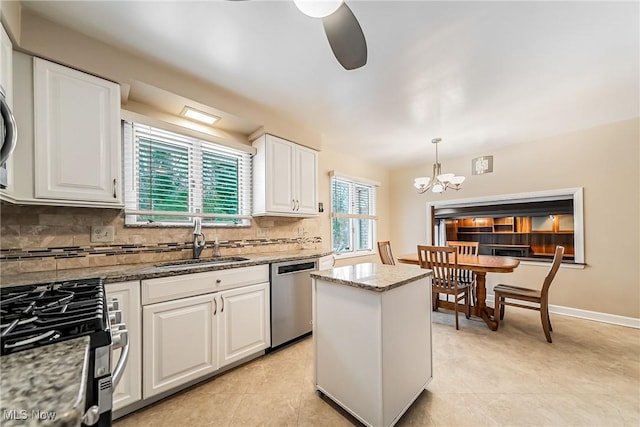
(317, 8)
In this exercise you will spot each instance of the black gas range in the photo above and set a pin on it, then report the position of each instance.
(43, 314)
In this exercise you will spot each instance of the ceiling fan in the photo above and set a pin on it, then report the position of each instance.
(343, 30)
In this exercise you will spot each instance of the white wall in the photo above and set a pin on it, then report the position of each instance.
(605, 161)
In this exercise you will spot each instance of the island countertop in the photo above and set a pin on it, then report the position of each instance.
(371, 276)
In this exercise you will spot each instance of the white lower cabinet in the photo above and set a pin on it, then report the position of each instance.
(129, 390)
(195, 324)
(243, 324)
(178, 342)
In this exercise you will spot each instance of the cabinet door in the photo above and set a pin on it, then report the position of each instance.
(279, 175)
(178, 342)
(306, 180)
(243, 324)
(77, 135)
(129, 390)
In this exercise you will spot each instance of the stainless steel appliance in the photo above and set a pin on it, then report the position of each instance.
(8, 136)
(290, 300)
(43, 314)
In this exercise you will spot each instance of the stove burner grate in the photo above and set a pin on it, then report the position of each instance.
(36, 315)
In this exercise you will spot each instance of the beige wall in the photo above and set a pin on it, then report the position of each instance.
(605, 161)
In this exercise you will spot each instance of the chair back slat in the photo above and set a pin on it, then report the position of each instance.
(555, 265)
(384, 249)
(443, 261)
(465, 248)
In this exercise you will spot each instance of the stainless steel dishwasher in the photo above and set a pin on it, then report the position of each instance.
(290, 300)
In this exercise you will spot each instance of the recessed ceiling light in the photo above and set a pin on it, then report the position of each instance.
(200, 116)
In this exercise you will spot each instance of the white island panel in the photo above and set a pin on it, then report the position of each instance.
(372, 338)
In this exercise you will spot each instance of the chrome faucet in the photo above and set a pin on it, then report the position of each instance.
(198, 238)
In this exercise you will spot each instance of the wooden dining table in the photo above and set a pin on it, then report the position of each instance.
(480, 265)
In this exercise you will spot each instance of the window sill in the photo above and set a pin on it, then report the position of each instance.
(348, 255)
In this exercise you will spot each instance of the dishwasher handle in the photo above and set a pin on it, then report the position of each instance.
(295, 267)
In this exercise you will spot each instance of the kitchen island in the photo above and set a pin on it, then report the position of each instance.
(372, 338)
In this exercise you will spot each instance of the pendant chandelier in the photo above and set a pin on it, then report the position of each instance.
(439, 182)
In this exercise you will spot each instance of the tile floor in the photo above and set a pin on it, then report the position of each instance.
(589, 376)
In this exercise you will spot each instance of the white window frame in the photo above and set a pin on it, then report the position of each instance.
(372, 215)
(196, 147)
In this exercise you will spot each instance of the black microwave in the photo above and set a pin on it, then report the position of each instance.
(8, 136)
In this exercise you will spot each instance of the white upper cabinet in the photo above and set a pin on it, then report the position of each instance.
(285, 178)
(77, 145)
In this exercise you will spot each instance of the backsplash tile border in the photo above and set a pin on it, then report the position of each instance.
(18, 254)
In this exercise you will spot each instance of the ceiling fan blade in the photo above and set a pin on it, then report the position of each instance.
(346, 38)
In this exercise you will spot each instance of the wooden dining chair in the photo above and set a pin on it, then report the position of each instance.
(540, 298)
(384, 249)
(467, 248)
(443, 261)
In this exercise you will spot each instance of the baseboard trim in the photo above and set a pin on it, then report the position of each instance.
(629, 322)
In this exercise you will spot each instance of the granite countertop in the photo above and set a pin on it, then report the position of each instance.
(51, 380)
(373, 277)
(125, 272)
(45, 385)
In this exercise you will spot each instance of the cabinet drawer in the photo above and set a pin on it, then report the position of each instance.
(186, 285)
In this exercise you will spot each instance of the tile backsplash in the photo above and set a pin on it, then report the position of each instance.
(41, 238)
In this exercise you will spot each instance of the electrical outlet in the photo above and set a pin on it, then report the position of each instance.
(102, 233)
(262, 232)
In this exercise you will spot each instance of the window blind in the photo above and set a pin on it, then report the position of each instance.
(352, 200)
(353, 212)
(171, 178)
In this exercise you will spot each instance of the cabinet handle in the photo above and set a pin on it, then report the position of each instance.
(293, 205)
(297, 205)
(222, 299)
(115, 195)
(215, 307)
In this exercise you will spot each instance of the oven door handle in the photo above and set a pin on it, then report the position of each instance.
(121, 340)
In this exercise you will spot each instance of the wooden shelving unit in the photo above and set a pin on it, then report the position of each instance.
(514, 236)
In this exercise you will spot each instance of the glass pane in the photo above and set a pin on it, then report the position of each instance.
(341, 235)
(364, 235)
(362, 202)
(163, 179)
(339, 196)
(220, 192)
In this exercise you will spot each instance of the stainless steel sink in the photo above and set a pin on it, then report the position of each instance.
(197, 263)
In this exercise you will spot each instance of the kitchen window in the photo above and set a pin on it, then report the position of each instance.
(353, 215)
(171, 178)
